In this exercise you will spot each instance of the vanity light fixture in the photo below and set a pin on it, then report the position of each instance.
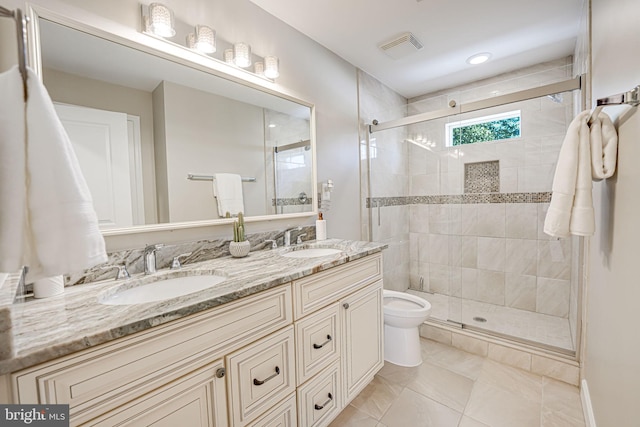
(242, 55)
(271, 68)
(258, 68)
(205, 39)
(478, 58)
(161, 21)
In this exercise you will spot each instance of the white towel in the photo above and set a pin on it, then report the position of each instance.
(56, 230)
(227, 188)
(604, 147)
(586, 153)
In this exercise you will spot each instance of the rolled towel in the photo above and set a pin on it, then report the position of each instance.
(604, 147)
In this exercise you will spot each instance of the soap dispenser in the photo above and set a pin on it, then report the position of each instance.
(321, 228)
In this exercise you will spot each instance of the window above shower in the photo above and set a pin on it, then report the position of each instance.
(495, 127)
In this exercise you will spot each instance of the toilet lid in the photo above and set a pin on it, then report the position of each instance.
(401, 303)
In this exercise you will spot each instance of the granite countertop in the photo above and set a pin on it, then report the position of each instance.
(40, 330)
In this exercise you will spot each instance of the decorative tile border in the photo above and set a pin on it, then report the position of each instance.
(458, 199)
(291, 201)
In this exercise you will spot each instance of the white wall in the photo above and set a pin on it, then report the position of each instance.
(612, 357)
(307, 71)
(207, 134)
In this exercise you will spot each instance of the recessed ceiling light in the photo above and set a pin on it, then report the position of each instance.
(271, 125)
(478, 58)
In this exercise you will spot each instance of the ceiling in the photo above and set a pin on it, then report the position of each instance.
(517, 33)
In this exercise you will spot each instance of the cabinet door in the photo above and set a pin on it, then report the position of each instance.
(362, 350)
(195, 400)
(260, 375)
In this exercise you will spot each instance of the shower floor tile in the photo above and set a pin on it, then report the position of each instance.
(540, 328)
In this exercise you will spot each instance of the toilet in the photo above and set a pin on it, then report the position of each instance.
(403, 314)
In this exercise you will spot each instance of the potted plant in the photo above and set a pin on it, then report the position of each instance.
(240, 246)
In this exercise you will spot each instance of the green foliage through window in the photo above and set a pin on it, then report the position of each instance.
(485, 129)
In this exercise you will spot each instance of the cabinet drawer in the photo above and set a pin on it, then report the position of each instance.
(97, 380)
(317, 342)
(282, 415)
(319, 399)
(260, 375)
(316, 291)
(197, 399)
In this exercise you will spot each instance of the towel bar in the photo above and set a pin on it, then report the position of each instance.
(195, 177)
(631, 97)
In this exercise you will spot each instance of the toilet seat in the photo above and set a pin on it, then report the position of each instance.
(402, 304)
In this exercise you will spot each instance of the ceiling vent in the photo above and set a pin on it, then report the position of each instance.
(401, 46)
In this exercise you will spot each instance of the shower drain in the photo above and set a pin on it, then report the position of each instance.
(479, 319)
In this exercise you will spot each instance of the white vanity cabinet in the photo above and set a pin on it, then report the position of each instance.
(339, 324)
(296, 354)
(101, 381)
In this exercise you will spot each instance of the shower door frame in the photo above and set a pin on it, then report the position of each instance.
(569, 85)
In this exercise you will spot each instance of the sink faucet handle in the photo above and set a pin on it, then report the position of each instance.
(122, 271)
(175, 264)
(299, 239)
(274, 243)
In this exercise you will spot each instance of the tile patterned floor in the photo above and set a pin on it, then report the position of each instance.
(453, 388)
(536, 327)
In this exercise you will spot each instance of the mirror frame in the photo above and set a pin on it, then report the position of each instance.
(95, 25)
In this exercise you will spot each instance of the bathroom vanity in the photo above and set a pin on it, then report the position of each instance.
(282, 341)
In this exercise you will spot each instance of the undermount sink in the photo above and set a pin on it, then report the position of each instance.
(162, 289)
(311, 253)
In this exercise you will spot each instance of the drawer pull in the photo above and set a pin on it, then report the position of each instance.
(317, 346)
(220, 372)
(260, 382)
(321, 407)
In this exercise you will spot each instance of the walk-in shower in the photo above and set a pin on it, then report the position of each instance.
(458, 183)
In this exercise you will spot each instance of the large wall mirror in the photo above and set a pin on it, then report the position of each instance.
(152, 131)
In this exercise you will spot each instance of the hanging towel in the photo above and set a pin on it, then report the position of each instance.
(604, 147)
(55, 231)
(227, 189)
(586, 154)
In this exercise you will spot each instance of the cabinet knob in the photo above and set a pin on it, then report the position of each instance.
(220, 372)
(345, 305)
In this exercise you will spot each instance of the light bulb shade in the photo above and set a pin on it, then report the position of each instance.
(258, 68)
(191, 41)
(228, 56)
(242, 55)
(205, 39)
(271, 67)
(161, 21)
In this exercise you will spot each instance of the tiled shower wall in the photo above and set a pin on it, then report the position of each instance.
(492, 252)
(487, 247)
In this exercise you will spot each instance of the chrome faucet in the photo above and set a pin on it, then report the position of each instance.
(287, 236)
(150, 258)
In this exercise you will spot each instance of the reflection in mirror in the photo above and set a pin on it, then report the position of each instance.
(141, 125)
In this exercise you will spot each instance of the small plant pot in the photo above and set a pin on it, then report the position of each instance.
(239, 249)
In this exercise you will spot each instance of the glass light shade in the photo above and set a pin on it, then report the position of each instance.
(161, 21)
(271, 68)
(205, 39)
(228, 56)
(242, 55)
(258, 68)
(191, 41)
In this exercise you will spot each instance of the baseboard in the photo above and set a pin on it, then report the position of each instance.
(587, 408)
